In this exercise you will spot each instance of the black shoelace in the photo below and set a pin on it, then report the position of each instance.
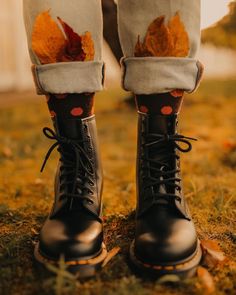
(71, 166)
(160, 172)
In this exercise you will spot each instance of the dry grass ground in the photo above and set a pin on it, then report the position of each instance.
(209, 173)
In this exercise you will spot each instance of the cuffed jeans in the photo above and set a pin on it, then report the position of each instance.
(141, 75)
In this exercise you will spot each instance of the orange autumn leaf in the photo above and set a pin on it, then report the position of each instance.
(207, 282)
(179, 36)
(212, 254)
(164, 40)
(158, 40)
(110, 255)
(51, 45)
(88, 46)
(141, 50)
(48, 41)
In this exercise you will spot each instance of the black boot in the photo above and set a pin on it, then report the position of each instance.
(74, 227)
(165, 239)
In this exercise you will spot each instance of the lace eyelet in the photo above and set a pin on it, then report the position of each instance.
(91, 183)
(89, 202)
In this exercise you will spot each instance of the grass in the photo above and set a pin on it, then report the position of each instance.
(26, 195)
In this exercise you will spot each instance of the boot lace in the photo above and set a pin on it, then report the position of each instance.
(159, 170)
(72, 164)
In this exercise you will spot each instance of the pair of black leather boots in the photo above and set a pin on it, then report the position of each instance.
(165, 238)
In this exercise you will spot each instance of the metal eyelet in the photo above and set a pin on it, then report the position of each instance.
(89, 202)
(91, 183)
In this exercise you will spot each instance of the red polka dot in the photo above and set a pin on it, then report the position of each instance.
(177, 93)
(143, 109)
(60, 96)
(166, 110)
(77, 112)
(53, 114)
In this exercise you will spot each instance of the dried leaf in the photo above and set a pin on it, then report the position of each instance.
(48, 41)
(88, 46)
(141, 50)
(164, 40)
(229, 145)
(110, 255)
(158, 40)
(7, 152)
(212, 254)
(180, 39)
(73, 48)
(51, 46)
(206, 280)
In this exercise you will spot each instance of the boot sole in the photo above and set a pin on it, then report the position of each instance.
(82, 268)
(184, 269)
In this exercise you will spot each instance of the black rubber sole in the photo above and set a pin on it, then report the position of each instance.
(82, 268)
(183, 269)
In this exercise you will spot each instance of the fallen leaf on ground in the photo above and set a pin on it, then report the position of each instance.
(229, 145)
(164, 40)
(110, 255)
(206, 280)
(48, 41)
(212, 254)
(7, 152)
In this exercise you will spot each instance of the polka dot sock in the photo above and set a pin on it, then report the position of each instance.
(161, 104)
(71, 105)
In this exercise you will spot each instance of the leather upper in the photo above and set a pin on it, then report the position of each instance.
(165, 232)
(74, 226)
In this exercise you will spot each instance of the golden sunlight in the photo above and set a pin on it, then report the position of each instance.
(213, 10)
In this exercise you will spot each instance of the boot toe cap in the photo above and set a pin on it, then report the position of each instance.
(166, 245)
(73, 240)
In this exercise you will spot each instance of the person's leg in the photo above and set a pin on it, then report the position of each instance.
(65, 49)
(160, 39)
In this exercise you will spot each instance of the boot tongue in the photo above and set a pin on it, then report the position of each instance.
(161, 125)
(69, 128)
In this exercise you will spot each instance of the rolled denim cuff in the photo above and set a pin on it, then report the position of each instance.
(148, 75)
(69, 77)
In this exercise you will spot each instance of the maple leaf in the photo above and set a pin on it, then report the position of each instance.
(51, 45)
(164, 40)
(88, 46)
(179, 36)
(73, 48)
(212, 254)
(141, 50)
(48, 41)
(158, 40)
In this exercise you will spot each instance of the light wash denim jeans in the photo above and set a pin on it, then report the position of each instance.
(141, 75)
